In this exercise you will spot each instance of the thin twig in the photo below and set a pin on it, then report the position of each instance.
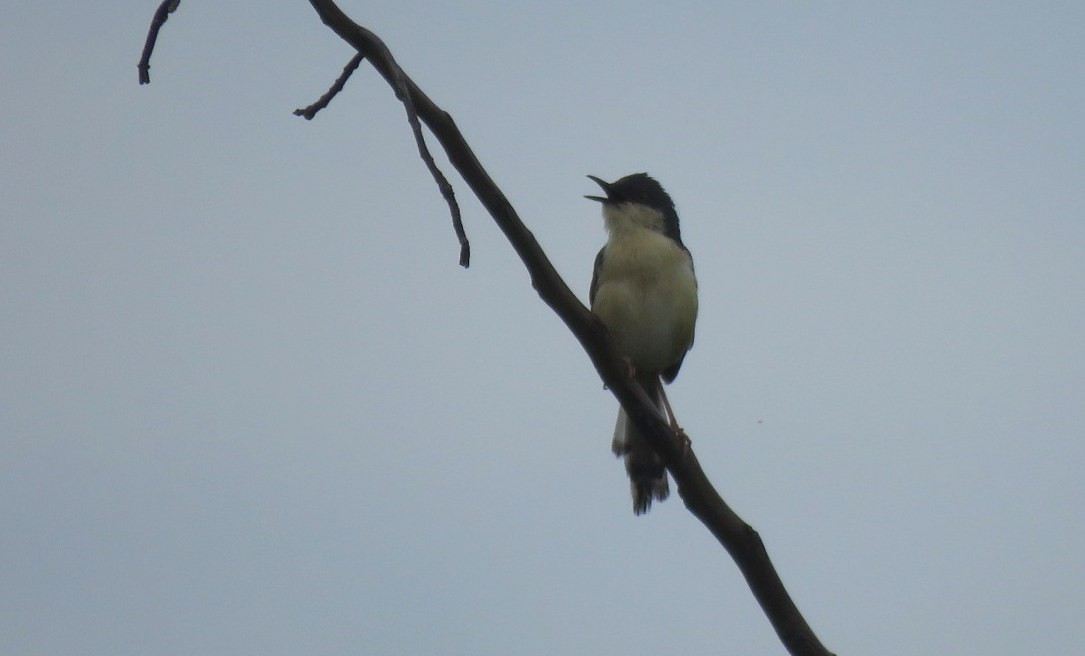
(442, 182)
(309, 112)
(164, 10)
(405, 90)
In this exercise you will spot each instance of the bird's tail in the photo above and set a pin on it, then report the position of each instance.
(647, 475)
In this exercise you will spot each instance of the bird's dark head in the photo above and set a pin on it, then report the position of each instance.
(640, 200)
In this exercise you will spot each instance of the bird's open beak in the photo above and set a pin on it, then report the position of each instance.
(606, 187)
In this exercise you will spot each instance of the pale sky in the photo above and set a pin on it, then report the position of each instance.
(250, 405)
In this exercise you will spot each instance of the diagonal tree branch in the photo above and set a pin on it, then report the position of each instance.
(702, 499)
(739, 539)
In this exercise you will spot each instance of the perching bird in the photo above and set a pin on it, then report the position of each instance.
(645, 293)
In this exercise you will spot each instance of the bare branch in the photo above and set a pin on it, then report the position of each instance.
(309, 112)
(164, 10)
(702, 499)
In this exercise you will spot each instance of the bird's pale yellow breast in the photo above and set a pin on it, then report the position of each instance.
(647, 297)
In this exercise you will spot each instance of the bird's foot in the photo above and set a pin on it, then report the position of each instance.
(631, 370)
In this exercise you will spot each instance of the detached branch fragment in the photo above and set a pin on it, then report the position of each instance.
(164, 10)
(739, 539)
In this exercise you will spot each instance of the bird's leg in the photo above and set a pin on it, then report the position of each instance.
(682, 437)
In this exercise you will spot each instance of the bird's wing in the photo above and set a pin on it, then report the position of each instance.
(671, 372)
(595, 276)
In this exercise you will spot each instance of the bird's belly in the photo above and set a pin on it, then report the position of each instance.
(650, 308)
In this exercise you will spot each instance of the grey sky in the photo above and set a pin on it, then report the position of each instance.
(250, 405)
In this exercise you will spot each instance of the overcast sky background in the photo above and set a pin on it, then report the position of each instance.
(249, 403)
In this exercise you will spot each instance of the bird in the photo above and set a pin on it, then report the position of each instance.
(644, 290)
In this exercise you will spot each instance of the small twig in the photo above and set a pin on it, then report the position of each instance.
(400, 84)
(164, 10)
(309, 112)
(404, 94)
